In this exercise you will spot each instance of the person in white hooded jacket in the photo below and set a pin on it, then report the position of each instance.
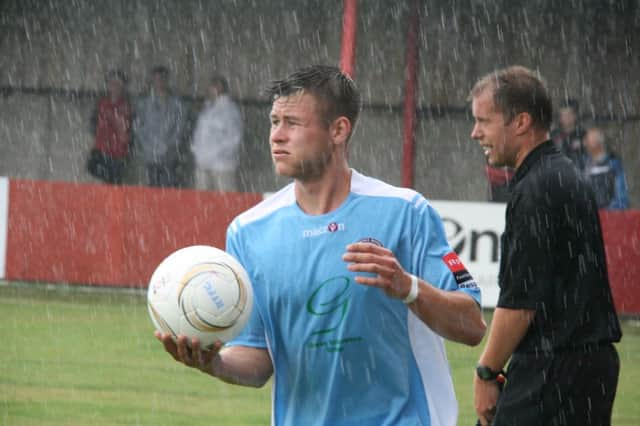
(217, 139)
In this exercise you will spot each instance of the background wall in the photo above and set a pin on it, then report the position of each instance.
(117, 235)
(53, 56)
(112, 235)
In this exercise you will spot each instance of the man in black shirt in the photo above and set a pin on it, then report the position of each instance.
(555, 316)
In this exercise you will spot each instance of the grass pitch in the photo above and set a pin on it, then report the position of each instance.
(73, 357)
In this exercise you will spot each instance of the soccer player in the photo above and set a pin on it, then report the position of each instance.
(354, 282)
(555, 316)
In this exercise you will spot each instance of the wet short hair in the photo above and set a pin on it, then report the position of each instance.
(572, 104)
(160, 70)
(517, 89)
(220, 82)
(116, 74)
(335, 91)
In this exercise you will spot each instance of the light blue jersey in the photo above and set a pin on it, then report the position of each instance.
(345, 353)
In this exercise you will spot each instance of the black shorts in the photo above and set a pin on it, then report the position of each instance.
(569, 388)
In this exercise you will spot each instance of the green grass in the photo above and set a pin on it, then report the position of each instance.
(73, 357)
(76, 358)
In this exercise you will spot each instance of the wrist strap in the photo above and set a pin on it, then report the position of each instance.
(413, 293)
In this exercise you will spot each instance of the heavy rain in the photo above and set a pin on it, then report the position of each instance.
(84, 222)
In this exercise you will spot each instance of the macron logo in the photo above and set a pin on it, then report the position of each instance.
(316, 232)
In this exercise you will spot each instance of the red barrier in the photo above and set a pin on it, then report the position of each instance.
(108, 235)
(100, 234)
(621, 233)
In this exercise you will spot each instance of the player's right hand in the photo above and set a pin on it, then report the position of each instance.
(191, 356)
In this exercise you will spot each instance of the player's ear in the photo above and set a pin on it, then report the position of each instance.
(340, 130)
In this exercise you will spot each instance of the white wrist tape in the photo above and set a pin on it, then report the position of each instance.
(413, 293)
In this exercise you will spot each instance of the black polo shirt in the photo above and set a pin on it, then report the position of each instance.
(553, 258)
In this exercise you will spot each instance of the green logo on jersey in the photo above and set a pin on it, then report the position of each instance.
(331, 298)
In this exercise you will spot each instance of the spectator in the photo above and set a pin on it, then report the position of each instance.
(112, 122)
(604, 169)
(159, 129)
(217, 139)
(567, 136)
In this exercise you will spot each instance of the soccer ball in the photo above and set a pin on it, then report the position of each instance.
(202, 292)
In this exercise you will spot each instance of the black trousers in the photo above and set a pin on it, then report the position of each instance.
(105, 167)
(566, 389)
(161, 175)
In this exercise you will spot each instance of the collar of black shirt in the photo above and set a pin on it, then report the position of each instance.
(532, 158)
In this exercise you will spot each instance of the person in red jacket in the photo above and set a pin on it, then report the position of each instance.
(112, 130)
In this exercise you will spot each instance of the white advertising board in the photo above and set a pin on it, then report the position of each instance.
(474, 230)
(4, 213)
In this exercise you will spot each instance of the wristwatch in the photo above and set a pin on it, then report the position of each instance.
(487, 374)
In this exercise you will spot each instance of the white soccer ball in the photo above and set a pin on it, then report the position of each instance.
(202, 292)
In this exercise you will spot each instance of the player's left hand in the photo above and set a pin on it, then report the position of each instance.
(389, 275)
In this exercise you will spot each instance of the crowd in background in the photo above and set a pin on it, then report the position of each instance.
(177, 147)
(588, 150)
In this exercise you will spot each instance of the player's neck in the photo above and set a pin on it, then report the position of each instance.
(326, 193)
